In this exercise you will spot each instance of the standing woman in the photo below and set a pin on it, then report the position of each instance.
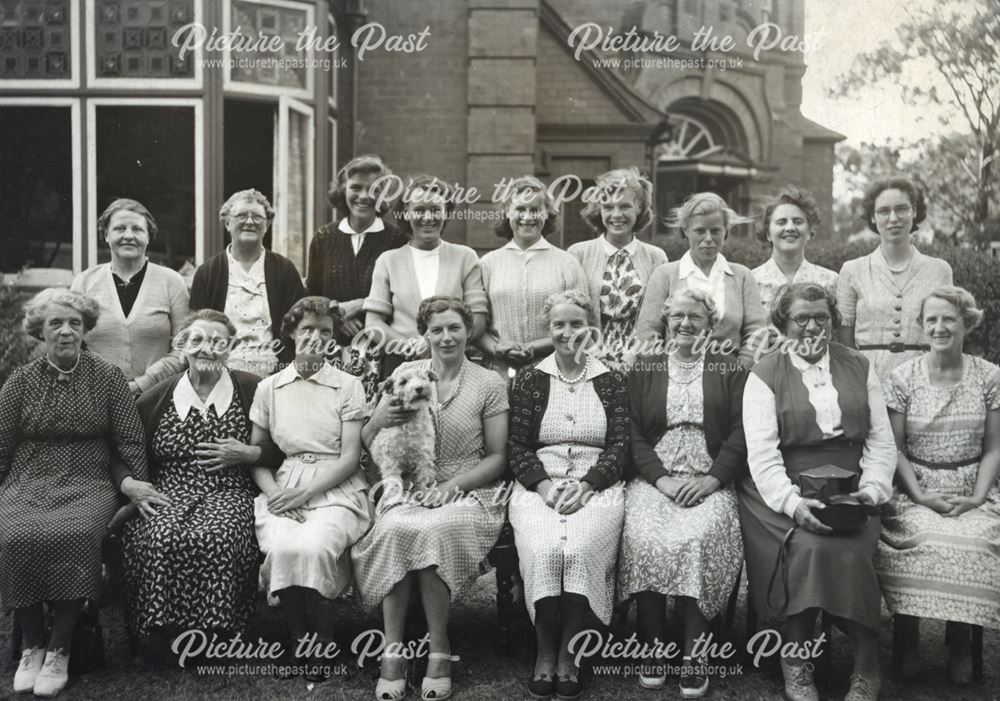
(63, 419)
(252, 286)
(941, 534)
(788, 224)
(879, 294)
(342, 254)
(142, 304)
(428, 266)
(314, 507)
(704, 221)
(682, 524)
(568, 443)
(521, 275)
(616, 263)
(437, 540)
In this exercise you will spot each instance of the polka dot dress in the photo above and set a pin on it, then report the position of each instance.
(57, 437)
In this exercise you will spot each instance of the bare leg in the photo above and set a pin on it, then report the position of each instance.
(64, 620)
(394, 607)
(31, 620)
(546, 636)
(651, 626)
(695, 623)
(436, 599)
(572, 610)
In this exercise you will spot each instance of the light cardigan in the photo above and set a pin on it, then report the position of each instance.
(594, 259)
(743, 324)
(395, 293)
(138, 344)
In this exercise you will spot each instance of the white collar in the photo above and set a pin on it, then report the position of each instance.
(609, 250)
(256, 271)
(328, 376)
(540, 245)
(421, 253)
(185, 398)
(594, 367)
(772, 273)
(687, 266)
(802, 365)
(376, 225)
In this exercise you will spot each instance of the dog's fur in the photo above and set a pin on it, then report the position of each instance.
(407, 451)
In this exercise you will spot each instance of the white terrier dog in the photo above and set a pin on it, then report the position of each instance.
(407, 451)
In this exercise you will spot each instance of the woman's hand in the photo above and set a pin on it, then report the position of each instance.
(219, 454)
(288, 499)
(696, 489)
(134, 388)
(353, 326)
(668, 486)
(933, 500)
(390, 413)
(144, 495)
(959, 505)
(804, 516)
(574, 496)
(439, 494)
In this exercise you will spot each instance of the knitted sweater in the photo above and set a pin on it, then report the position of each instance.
(594, 260)
(138, 344)
(334, 270)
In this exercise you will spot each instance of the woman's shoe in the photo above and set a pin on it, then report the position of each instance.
(863, 688)
(53, 675)
(437, 688)
(653, 681)
(542, 687)
(568, 688)
(391, 690)
(31, 664)
(799, 685)
(694, 681)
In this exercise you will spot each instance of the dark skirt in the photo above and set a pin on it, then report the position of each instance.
(835, 573)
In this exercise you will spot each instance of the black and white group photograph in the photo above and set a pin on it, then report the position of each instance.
(500, 349)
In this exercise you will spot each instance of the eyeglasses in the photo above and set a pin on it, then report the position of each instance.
(679, 317)
(903, 210)
(803, 319)
(243, 217)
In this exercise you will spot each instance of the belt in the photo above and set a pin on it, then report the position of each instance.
(313, 457)
(945, 465)
(894, 347)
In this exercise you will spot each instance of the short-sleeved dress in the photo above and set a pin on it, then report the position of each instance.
(930, 565)
(195, 564)
(305, 418)
(770, 279)
(454, 538)
(883, 306)
(675, 550)
(58, 435)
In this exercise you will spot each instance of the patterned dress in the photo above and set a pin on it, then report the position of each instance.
(674, 550)
(620, 299)
(194, 565)
(573, 553)
(770, 279)
(454, 538)
(57, 439)
(929, 565)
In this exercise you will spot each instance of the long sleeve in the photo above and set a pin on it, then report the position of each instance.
(11, 401)
(760, 424)
(649, 324)
(473, 293)
(201, 296)
(379, 299)
(644, 458)
(729, 464)
(527, 468)
(754, 332)
(314, 269)
(126, 432)
(611, 462)
(878, 458)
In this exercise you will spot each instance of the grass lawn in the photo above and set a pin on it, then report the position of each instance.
(483, 673)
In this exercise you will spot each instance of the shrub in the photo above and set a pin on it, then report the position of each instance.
(16, 347)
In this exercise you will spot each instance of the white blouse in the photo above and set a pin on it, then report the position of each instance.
(426, 265)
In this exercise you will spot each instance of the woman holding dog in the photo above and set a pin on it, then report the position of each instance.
(568, 449)
(314, 507)
(815, 404)
(682, 525)
(436, 540)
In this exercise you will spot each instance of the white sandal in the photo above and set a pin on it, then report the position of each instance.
(437, 688)
(394, 690)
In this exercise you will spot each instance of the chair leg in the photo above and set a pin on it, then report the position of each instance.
(977, 652)
(734, 597)
(503, 557)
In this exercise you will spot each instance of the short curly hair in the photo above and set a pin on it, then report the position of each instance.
(367, 164)
(36, 310)
(523, 187)
(210, 315)
(902, 184)
(438, 304)
(613, 184)
(124, 204)
(703, 204)
(695, 295)
(251, 195)
(429, 184)
(570, 296)
(961, 299)
(803, 199)
(808, 292)
(315, 304)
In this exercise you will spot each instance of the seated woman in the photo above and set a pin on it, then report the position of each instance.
(62, 419)
(429, 266)
(315, 507)
(439, 543)
(682, 526)
(945, 411)
(811, 404)
(194, 566)
(569, 440)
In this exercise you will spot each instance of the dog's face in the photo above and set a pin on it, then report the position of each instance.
(410, 387)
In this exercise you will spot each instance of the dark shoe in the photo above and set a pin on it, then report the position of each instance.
(568, 688)
(694, 682)
(316, 673)
(543, 687)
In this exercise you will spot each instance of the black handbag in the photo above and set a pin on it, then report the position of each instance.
(833, 486)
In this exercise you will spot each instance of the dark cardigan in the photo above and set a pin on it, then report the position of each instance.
(281, 279)
(154, 402)
(334, 270)
(530, 398)
(722, 383)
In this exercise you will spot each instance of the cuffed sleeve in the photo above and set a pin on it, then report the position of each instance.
(379, 299)
(847, 295)
(878, 458)
(473, 293)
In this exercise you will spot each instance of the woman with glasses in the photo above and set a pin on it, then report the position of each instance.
(879, 294)
(252, 286)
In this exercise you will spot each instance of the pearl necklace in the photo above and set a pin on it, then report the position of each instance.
(579, 378)
(898, 271)
(63, 374)
(688, 371)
